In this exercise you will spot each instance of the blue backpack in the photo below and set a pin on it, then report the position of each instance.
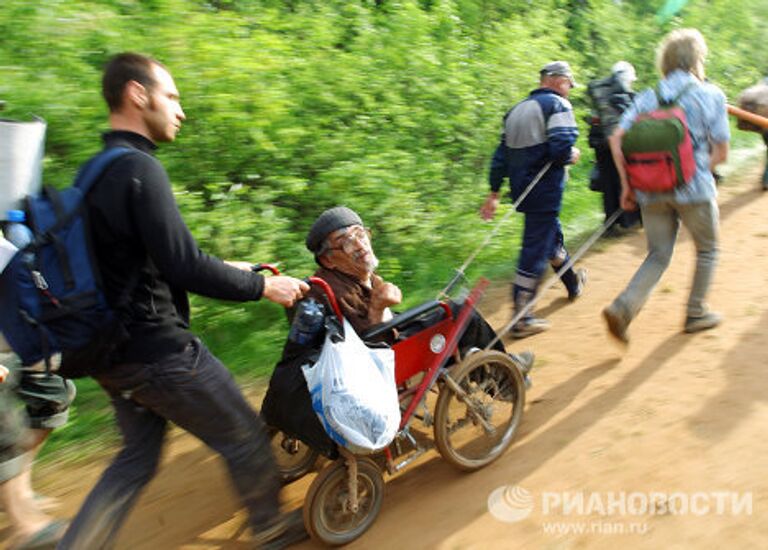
(50, 296)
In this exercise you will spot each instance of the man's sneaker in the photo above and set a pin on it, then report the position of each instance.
(707, 321)
(617, 322)
(581, 277)
(528, 327)
(289, 530)
(524, 360)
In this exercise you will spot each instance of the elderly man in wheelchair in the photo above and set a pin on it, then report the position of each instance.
(342, 248)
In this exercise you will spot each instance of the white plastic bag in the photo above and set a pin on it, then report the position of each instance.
(354, 393)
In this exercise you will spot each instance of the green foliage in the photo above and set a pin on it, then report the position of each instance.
(392, 107)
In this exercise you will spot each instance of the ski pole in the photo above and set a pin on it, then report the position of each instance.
(552, 280)
(468, 262)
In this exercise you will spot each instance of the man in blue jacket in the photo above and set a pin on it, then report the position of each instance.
(539, 135)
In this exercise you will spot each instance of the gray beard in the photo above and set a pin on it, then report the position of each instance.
(372, 263)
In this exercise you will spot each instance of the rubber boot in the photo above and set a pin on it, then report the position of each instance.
(528, 325)
(573, 279)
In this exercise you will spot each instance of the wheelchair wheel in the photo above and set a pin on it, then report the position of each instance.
(327, 515)
(293, 457)
(477, 415)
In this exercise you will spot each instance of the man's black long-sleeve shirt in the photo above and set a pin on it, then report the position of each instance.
(141, 242)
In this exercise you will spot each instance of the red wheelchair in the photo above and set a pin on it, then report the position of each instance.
(471, 399)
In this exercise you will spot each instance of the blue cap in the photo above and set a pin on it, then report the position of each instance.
(17, 216)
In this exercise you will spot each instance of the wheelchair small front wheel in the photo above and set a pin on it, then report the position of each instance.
(479, 409)
(327, 514)
(293, 457)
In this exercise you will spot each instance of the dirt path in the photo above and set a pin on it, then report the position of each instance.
(674, 422)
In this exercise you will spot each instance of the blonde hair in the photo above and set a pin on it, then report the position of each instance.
(682, 49)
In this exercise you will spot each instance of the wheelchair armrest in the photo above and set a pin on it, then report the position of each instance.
(401, 319)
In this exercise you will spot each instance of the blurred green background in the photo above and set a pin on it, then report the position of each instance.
(390, 107)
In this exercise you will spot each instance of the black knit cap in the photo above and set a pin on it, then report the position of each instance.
(328, 222)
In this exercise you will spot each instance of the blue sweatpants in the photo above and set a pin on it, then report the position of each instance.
(542, 243)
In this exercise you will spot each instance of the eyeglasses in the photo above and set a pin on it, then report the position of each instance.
(347, 242)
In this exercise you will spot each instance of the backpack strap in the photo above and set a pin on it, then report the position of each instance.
(87, 176)
(674, 100)
(93, 169)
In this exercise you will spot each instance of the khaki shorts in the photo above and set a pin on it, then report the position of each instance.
(13, 424)
(47, 397)
(44, 398)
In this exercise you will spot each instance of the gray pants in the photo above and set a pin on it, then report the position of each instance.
(196, 392)
(662, 222)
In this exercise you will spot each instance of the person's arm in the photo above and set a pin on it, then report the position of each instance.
(496, 175)
(176, 254)
(499, 169)
(718, 155)
(719, 133)
(562, 134)
(285, 291)
(382, 297)
(491, 203)
(628, 201)
(646, 100)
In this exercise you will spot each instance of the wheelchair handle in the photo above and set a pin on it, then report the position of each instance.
(268, 267)
(310, 281)
(326, 288)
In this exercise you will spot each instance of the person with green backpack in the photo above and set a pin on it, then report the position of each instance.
(683, 100)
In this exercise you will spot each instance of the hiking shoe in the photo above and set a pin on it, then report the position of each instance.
(581, 276)
(528, 327)
(705, 322)
(524, 360)
(617, 323)
(288, 531)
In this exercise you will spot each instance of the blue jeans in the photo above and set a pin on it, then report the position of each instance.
(196, 392)
(662, 222)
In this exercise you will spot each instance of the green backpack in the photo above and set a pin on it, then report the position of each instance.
(658, 149)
